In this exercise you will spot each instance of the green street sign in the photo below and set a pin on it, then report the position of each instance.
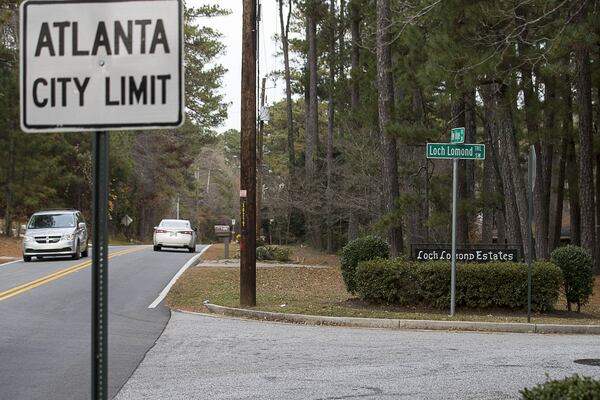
(457, 135)
(460, 151)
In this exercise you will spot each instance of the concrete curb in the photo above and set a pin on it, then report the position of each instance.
(356, 322)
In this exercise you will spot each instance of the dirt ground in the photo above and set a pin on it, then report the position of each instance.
(10, 247)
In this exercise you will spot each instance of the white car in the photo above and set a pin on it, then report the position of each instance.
(175, 233)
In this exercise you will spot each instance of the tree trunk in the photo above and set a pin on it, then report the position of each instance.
(355, 59)
(574, 204)
(312, 118)
(509, 141)
(462, 223)
(259, 163)
(598, 162)
(583, 84)
(489, 189)
(501, 128)
(468, 189)
(312, 126)
(10, 177)
(330, 123)
(355, 16)
(559, 190)
(285, 28)
(417, 182)
(391, 189)
(541, 195)
(352, 227)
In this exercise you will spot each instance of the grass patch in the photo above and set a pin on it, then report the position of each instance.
(321, 291)
(216, 251)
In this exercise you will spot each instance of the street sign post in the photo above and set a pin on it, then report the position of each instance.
(457, 135)
(531, 172)
(455, 151)
(95, 65)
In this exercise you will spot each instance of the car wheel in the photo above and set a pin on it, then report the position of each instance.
(26, 258)
(156, 248)
(192, 249)
(85, 252)
(77, 254)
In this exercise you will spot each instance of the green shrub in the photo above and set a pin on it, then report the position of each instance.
(361, 249)
(272, 252)
(496, 284)
(577, 268)
(571, 388)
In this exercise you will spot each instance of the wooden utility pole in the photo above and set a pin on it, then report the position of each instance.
(248, 157)
(259, 161)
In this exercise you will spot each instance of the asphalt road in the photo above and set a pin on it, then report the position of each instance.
(45, 328)
(203, 357)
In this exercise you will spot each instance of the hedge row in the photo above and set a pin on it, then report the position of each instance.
(500, 284)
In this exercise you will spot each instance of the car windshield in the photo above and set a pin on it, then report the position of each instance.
(173, 223)
(52, 221)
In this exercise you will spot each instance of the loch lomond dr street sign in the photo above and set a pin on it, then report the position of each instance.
(99, 65)
(456, 151)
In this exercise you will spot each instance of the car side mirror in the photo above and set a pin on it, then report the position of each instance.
(23, 229)
(81, 225)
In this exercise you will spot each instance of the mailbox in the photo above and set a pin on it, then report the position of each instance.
(223, 230)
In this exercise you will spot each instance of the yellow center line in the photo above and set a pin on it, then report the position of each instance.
(87, 262)
(58, 274)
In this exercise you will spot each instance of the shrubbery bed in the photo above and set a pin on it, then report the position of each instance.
(272, 252)
(571, 388)
(500, 284)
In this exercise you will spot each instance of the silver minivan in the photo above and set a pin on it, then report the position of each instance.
(60, 232)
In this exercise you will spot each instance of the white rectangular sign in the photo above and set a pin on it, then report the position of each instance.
(101, 65)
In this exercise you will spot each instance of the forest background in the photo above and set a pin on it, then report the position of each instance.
(368, 84)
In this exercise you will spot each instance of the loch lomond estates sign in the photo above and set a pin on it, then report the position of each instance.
(491, 253)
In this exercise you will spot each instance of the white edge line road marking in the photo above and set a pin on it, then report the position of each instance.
(10, 262)
(164, 292)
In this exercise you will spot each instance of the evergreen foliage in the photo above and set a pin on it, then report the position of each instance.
(485, 285)
(577, 268)
(574, 387)
(148, 170)
(361, 249)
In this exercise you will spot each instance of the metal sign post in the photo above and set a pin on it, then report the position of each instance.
(530, 185)
(100, 266)
(456, 150)
(454, 201)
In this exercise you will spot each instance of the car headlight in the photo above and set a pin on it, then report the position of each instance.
(68, 236)
(28, 238)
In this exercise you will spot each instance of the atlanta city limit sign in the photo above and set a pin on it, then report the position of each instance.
(101, 65)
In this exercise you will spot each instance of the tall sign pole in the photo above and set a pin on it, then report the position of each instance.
(456, 150)
(531, 162)
(100, 266)
(248, 157)
(454, 201)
